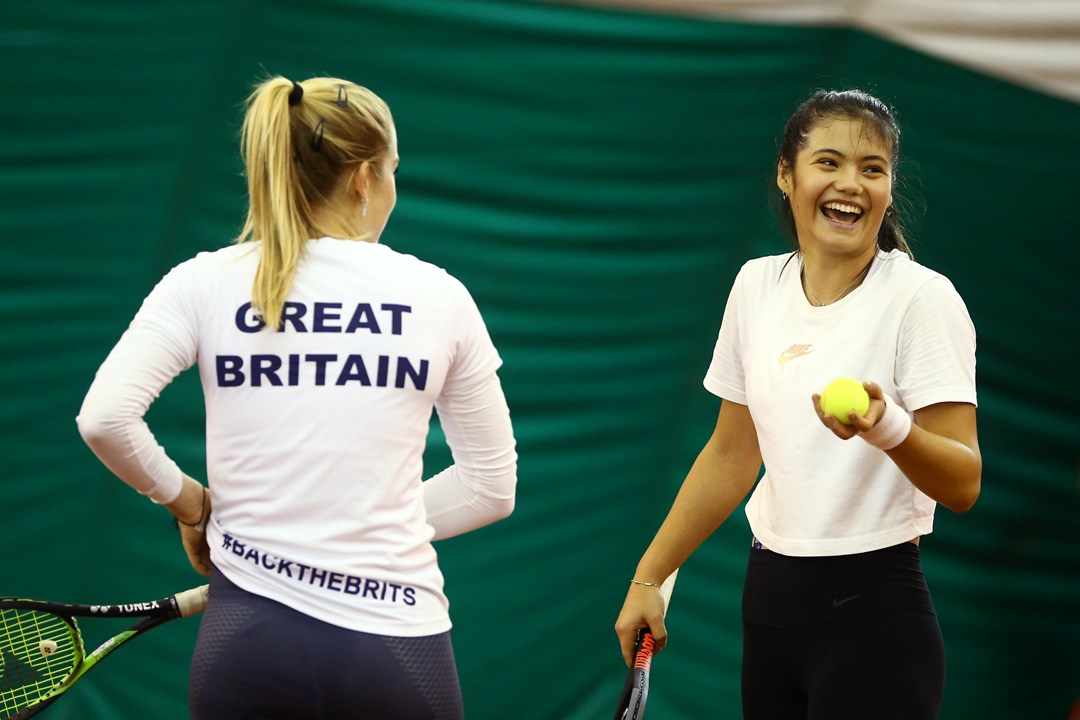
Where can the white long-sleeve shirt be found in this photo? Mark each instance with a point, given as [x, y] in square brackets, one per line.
[315, 434]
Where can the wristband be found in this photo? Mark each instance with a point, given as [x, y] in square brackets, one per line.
[891, 429]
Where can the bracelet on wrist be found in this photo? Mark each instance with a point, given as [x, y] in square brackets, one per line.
[200, 524]
[646, 584]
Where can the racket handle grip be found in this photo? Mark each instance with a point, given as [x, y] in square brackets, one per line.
[646, 646]
[193, 601]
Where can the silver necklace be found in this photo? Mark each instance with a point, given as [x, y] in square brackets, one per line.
[813, 297]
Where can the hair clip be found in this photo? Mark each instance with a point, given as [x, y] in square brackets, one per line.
[342, 97]
[317, 135]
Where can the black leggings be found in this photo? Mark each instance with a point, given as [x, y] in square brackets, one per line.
[257, 659]
[849, 637]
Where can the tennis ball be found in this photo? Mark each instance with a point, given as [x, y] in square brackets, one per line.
[843, 396]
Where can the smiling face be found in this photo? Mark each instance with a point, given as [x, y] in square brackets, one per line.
[839, 187]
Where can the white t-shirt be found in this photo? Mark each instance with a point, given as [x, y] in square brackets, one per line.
[315, 434]
[906, 328]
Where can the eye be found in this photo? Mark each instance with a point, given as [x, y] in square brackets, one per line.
[828, 162]
[875, 170]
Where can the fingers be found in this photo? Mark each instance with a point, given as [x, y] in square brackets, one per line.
[201, 562]
[627, 639]
[644, 607]
[626, 627]
[197, 549]
[659, 633]
[839, 429]
[876, 409]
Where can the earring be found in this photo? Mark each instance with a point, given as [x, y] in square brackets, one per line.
[784, 194]
[363, 208]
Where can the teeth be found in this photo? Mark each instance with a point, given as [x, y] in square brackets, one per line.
[844, 208]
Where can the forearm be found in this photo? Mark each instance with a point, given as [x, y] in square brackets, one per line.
[712, 490]
[111, 418]
[722, 475]
[453, 508]
[192, 505]
[938, 453]
[943, 468]
[479, 488]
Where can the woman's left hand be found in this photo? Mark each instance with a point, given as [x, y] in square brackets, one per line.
[859, 423]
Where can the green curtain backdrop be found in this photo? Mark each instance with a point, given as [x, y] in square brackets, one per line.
[596, 178]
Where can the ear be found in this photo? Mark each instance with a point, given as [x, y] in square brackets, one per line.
[783, 177]
[360, 182]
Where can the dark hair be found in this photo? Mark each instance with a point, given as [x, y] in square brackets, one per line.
[847, 105]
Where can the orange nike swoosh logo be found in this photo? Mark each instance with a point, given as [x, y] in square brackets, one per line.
[795, 351]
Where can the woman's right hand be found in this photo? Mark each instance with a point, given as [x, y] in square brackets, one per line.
[192, 508]
[197, 549]
[644, 607]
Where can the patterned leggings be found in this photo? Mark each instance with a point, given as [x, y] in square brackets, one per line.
[257, 659]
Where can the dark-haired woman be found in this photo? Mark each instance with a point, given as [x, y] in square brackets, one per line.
[838, 621]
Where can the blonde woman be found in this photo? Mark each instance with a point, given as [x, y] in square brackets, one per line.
[322, 354]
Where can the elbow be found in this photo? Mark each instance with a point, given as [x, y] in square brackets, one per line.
[968, 494]
[502, 505]
[502, 508]
[963, 504]
[965, 501]
[94, 427]
[103, 428]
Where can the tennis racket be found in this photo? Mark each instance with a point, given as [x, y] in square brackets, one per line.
[636, 689]
[42, 650]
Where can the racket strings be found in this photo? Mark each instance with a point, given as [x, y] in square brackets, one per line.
[39, 651]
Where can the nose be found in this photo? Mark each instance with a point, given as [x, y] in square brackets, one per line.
[848, 180]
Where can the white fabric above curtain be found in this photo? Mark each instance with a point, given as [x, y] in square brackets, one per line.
[1030, 42]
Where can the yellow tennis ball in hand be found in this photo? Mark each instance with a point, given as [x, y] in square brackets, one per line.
[843, 396]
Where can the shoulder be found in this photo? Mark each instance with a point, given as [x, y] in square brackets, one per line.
[904, 274]
[410, 263]
[770, 264]
[763, 273]
[385, 266]
[209, 261]
[923, 297]
[425, 274]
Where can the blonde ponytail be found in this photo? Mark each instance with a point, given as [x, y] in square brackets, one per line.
[297, 141]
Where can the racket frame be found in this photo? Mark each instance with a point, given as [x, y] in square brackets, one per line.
[636, 689]
[150, 614]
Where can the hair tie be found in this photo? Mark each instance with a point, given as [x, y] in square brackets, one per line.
[296, 95]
